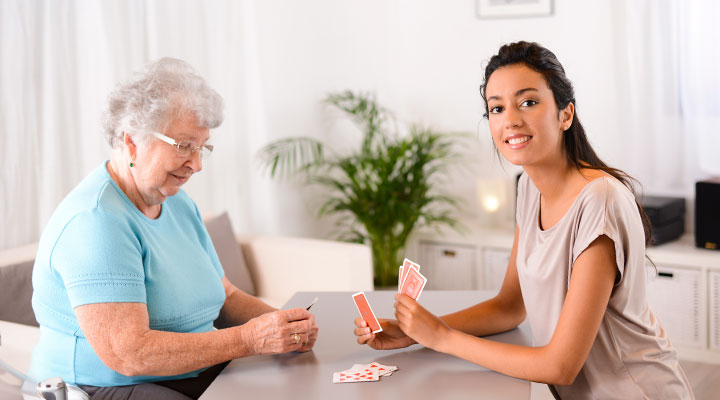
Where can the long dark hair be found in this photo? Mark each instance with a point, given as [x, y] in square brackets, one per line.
[577, 147]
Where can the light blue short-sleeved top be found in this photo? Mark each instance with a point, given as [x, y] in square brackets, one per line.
[99, 248]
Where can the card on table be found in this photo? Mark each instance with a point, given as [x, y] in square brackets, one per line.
[366, 312]
[353, 375]
[364, 373]
[382, 370]
[413, 284]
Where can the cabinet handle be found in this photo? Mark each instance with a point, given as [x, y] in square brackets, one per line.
[666, 274]
[449, 253]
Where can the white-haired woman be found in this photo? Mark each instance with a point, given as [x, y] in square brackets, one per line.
[127, 282]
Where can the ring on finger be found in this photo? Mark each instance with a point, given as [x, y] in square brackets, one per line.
[296, 337]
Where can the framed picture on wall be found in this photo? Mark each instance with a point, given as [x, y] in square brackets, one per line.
[513, 8]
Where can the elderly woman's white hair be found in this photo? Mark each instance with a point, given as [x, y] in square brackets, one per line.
[153, 97]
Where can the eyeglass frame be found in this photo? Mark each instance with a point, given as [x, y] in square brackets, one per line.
[193, 148]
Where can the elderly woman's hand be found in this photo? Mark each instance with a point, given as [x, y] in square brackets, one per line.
[281, 331]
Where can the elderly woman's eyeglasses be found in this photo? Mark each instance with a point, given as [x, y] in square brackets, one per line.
[185, 148]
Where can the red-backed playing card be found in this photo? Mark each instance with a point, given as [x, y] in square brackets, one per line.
[413, 284]
[351, 375]
[366, 312]
[408, 264]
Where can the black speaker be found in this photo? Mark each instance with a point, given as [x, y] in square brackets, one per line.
[707, 214]
[667, 217]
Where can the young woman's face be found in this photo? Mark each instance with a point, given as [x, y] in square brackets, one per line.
[525, 123]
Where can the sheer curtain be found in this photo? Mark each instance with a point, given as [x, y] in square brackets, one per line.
[58, 61]
[672, 81]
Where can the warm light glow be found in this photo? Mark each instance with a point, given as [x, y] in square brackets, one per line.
[491, 203]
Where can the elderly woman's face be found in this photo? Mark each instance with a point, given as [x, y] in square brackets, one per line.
[160, 170]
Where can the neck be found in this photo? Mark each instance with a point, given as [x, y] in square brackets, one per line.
[120, 173]
[553, 180]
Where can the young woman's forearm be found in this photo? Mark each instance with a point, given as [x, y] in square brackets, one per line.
[487, 318]
[538, 364]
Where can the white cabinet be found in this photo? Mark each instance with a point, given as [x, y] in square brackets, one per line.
[714, 310]
[448, 266]
[676, 296]
[453, 266]
[495, 262]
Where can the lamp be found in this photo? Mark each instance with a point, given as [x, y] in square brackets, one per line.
[492, 196]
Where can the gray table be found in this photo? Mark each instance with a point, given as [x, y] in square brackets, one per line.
[422, 374]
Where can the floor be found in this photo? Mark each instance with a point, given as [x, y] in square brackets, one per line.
[704, 380]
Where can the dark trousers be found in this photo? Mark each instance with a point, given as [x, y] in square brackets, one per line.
[180, 389]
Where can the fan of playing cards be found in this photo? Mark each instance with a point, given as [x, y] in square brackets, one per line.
[410, 282]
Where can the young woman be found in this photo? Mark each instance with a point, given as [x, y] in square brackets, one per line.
[577, 268]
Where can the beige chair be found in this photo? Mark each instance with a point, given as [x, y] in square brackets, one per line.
[281, 266]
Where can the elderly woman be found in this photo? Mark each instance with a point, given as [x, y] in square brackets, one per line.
[127, 282]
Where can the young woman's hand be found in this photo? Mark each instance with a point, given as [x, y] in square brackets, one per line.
[418, 323]
[390, 338]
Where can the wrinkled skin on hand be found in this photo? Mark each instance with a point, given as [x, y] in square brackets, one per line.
[274, 332]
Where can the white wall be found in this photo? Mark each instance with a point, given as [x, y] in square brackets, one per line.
[273, 61]
[424, 59]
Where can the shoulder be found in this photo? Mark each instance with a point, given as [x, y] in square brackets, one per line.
[606, 192]
[95, 209]
[95, 197]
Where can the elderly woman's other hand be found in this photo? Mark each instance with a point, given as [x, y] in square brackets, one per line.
[281, 332]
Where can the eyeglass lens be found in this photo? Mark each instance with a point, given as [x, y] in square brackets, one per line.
[186, 148]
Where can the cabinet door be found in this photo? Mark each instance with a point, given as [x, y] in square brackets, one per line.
[715, 310]
[495, 262]
[676, 296]
[448, 266]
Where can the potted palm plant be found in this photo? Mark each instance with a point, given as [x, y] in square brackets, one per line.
[383, 191]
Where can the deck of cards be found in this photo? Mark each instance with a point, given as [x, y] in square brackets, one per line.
[364, 373]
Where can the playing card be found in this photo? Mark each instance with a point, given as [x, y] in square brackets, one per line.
[413, 284]
[400, 277]
[382, 370]
[366, 312]
[351, 375]
[408, 264]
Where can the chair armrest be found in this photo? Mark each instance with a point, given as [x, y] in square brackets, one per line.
[17, 343]
[16, 267]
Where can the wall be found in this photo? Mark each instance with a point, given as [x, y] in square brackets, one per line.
[273, 61]
[424, 60]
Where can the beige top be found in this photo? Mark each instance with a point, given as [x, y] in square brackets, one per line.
[632, 357]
